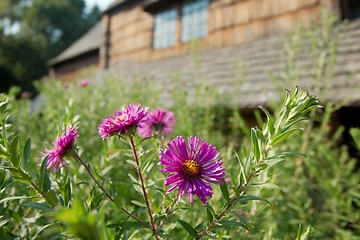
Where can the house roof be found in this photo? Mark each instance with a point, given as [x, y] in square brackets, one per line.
[243, 74]
[115, 4]
[118, 3]
[88, 42]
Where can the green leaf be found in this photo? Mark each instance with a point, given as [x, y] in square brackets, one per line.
[51, 198]
[14, 152]
[260, 167]
[3, 153]
[137, 203]
[58, 236]
[283, 135]
[255, 143]
[274, 161]
[242, 170]
[41, 206]
[2, 177]
[252, 198]
[83, 224]
[228, 223]
[67, 192]
[283, 154]
[268, 116]
[45, 183]
[224, 190]
[4, 200]
[209, 212]
[2, 234]
[26, 154]
[305, 235]
[265, 185]
[19, 175]
[167, 196]
[242, 218]
[188, 228]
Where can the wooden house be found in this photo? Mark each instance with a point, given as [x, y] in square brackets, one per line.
[155, 38]
[82, 55]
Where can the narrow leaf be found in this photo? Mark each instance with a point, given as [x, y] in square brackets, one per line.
[255, 143]
[51, 198]
[265, 185]
[19, 175]
[45, 183]
[137, 203]
[26, 154]
[252, 198]
[67, 192]
[14, 198]
[209, 212]
[14, 152]
[224, 190]
[284, 135]
[284, 154]
[305, 235]
[242, 218]
[227, 224]
[242, 170]
[41, 206]
[188, 228]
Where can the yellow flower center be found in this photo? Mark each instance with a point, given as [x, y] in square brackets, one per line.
[191, 168]
[120, 119]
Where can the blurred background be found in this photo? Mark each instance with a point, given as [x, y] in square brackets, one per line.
[34, 31]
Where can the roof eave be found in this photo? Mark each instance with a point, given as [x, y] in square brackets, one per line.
[54, 61]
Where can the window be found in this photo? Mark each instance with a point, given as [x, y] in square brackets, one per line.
[194, 19]
[350, 9]
[165, 28]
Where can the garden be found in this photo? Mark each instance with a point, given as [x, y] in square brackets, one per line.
[114, 160]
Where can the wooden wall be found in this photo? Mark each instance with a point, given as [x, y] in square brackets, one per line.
[129, 32]
[68, 71]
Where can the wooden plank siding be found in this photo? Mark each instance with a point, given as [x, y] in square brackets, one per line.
[230, 22]
[77, 67]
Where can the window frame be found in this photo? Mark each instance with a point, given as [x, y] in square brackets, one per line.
[191, 21]
[186, 25]
[165, 28]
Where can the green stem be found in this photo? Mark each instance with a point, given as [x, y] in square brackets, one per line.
[37, 189]
[169, 211]
[77, 157]
[230, 204]
[132, 144]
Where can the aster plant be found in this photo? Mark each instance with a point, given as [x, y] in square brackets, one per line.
[159, 122]
[190, 167]
[64, 145]
[123, 122]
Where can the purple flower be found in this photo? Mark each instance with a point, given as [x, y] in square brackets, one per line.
[84, 82]
[62, 145]
[158, 121]
[192, 167]
[123, 122]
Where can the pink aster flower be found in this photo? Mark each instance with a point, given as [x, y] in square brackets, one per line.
[158, 121]
[62, 145]
[84, 82]
[123, 122]
[192, 167]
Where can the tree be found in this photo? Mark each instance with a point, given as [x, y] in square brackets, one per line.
[45, 29]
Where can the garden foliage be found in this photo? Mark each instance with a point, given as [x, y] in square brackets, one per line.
[285, 178]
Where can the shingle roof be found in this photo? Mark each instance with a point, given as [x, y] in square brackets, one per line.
[253, 86]
[118, 3]
[114, 4]
[88, 42]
